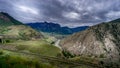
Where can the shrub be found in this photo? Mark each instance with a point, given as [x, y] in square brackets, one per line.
[67, 54]
[102, 56]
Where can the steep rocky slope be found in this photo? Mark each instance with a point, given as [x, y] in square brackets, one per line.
[101, 41]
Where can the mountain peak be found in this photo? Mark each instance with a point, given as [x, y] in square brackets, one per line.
[4, 16]
[7, 20]
[4, 13]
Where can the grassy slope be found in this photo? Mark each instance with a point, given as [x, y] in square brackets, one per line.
[15, 60]
[25, 34]
[20, 31]
[4, 23]
[11, 59]
[37, 46]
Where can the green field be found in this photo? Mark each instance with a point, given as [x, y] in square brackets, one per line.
[15, 60]
[36, 46]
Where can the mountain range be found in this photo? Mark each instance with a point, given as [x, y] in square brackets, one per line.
[86, 46]
[55, 28]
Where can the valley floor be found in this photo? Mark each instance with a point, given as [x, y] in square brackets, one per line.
[55, 62]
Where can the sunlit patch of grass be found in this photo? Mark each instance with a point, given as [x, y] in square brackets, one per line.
[84, 59]
[37, 46]
[15, 60]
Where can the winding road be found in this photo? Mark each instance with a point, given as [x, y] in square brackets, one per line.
[57, 43]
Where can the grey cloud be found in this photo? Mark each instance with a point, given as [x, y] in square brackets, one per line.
[65, 12]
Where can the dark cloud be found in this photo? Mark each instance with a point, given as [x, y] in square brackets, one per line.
[66, 12]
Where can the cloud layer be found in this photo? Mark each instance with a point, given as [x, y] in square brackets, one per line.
[65, 12]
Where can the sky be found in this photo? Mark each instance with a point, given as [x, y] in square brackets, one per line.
[70, 13]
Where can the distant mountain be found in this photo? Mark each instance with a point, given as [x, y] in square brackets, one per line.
[99, 41]
[55, 28]
[11, 28]
[7, 20]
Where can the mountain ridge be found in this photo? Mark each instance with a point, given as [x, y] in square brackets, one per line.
[7, 20]
[55, 28]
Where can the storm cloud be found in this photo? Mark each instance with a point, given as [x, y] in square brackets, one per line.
[70, 13]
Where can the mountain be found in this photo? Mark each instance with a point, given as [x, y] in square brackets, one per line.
[99, 41]
[10, 27]
[55, 28]
[7, 20]
[19, 44]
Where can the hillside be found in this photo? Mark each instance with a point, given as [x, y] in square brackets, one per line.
[11, 28]
[55, 28]
[7, 20]
[20, 32]
[100, 41]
